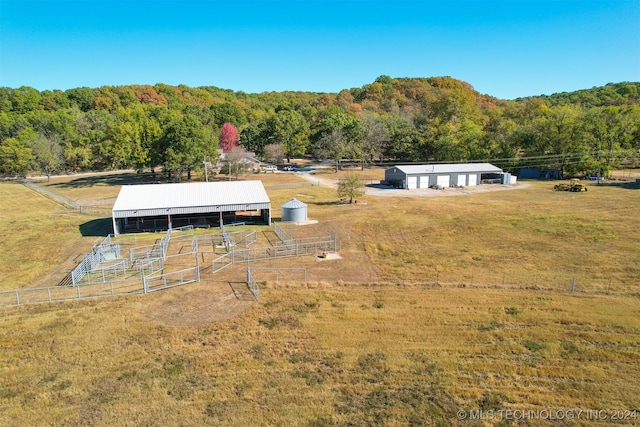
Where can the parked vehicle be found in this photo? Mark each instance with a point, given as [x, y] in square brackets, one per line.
[573, 185]
[269, 168]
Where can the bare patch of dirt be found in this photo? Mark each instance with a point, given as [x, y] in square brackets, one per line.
[198, 304]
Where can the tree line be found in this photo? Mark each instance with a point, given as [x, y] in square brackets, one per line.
[438, 119]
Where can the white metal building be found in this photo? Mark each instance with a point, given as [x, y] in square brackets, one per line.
[442, 175]
[152, 207]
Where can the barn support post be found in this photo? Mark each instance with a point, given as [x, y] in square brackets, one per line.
[115, 227]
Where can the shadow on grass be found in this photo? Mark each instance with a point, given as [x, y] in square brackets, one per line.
[111, 179]
[97, 227]
[331, 203]
[623, 185]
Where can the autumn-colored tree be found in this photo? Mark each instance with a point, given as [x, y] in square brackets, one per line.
[228, 137]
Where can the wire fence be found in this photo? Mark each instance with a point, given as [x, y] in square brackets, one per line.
[67, 293]
[520, 280]
[68, 203]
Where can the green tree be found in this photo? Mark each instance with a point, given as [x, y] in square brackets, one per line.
[227, 112]
[15, 157]
[25, 99]
[350, 186]
[290, 129]
[82, 97]
[335, 118]
[403, 138]
[186, 141]
[47, 154]
[256, 137]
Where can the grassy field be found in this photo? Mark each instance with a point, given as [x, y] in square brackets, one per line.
[438, 305]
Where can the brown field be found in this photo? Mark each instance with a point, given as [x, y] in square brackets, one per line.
[521, 300]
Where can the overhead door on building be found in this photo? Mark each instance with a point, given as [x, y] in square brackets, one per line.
[462, 180]
[443, 180]
[423, 181]
[412, 182]
[473, 179]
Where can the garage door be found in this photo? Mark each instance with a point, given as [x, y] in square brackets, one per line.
[473, 179]
[462, 180]
[443, 180]
[412, 182]
[423, 182]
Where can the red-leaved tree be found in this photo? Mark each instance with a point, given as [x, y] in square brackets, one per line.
[228, 137]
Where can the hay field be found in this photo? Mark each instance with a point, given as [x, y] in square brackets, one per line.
[438, 305]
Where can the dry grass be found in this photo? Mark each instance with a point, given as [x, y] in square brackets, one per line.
[427, 313]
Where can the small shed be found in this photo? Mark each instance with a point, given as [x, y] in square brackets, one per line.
[294, 211]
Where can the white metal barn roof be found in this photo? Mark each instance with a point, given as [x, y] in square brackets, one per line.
[448, 168]
[200, 197]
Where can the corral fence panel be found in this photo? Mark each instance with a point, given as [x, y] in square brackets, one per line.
[253, 285]
[103, 250]
[221, 262]
[65, 293]
[169, 280]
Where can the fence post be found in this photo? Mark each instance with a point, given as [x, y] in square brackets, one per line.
[49, 293]
[17, 298]
[573, 285]
[78, 291]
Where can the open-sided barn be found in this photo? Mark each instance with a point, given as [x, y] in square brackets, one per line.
[442, 175]
[153, 207]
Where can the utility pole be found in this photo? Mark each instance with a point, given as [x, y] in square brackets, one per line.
[206, 175]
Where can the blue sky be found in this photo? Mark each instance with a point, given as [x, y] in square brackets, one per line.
[506, 49]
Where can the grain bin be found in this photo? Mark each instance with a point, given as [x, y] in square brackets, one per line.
[294, 211]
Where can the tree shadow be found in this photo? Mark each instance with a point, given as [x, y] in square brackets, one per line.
[115, 179]
[96, 227]
[624, 185]
[331, 203]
